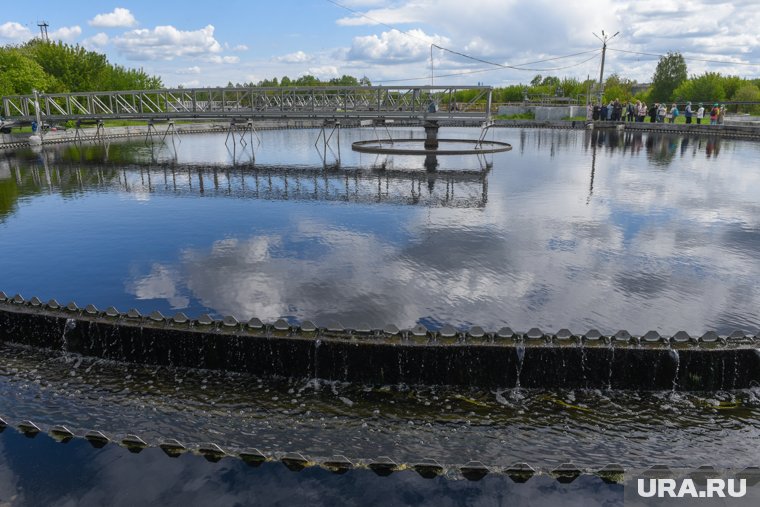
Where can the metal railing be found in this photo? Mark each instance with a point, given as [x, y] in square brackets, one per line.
[429, 102]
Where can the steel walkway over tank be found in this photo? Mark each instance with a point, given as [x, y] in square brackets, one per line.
[418, 103]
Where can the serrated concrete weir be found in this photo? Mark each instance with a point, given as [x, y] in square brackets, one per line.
[474, 357]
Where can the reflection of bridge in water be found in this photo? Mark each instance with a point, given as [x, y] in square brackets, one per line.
[452, 188]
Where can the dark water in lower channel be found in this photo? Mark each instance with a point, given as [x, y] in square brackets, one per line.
[407, 423]
[39, 471]
[569, 229]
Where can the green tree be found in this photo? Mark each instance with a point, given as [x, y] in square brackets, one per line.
[344, 80]
[307, 80]
[732, 84]
[513, 93]
[705, 88]
[748, 93]
[571, 87]
[20, 74]
[669, 74]
[551, 81]
[619, 88]
[76, 69]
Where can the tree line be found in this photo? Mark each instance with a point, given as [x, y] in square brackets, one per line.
[670, 83]
[306, 80]
[56, 67]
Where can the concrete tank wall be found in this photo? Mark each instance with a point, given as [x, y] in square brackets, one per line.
[549, 113]
[544, 113]
[487, 360]
[512, 110]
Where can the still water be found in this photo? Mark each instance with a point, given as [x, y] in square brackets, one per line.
[41, 472]
[569, 229]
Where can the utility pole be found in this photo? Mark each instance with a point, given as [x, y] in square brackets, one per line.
[604, 38]
[43, 30]
[431, 65]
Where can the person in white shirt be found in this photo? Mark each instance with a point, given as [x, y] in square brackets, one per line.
[700, 113]
[642, 112]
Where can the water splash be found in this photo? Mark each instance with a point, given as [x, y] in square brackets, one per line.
[583, 363]
[520, 351]
[677, 359]
[500, 399]
[70, 325]
[317, 343]
[612, 360]
[516, 393]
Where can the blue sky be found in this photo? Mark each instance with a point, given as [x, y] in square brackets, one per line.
[211, 43]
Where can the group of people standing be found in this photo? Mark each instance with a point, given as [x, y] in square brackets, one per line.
[657, 112]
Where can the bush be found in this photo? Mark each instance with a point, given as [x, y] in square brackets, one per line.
[747, 93]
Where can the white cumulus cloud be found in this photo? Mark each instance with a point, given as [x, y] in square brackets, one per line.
[120, 17]
[13, 31]
[513, 32]
[222, 59]
[238, 47]
[167, 43]
[66, 33]
[297, 57]
[324, 71]
[394, 46]
[190, 70]
[97, 41]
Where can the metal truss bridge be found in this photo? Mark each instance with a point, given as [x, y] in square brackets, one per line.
[419, 103]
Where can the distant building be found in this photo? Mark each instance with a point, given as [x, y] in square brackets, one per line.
[640, 87]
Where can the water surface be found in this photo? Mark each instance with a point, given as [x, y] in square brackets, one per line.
[569, 229]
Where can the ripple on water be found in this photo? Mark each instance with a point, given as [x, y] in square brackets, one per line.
[450, 425]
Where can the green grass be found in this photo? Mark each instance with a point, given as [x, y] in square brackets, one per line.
[134, 123]
[108, 123]
[521, 116]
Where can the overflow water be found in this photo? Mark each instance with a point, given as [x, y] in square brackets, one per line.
[321, 418]
[570, 229]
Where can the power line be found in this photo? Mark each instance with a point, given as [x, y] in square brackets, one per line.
[695, 59]
[604, 39]
[520, 66]
[480, 60]
[476, 71]
[405, 32]
[43, 30]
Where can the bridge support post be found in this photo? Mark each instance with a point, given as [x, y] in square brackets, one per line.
[431, 135]
[150, 133]
[431, 163]
[171, 129]
[100, 132]
[334, 126]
